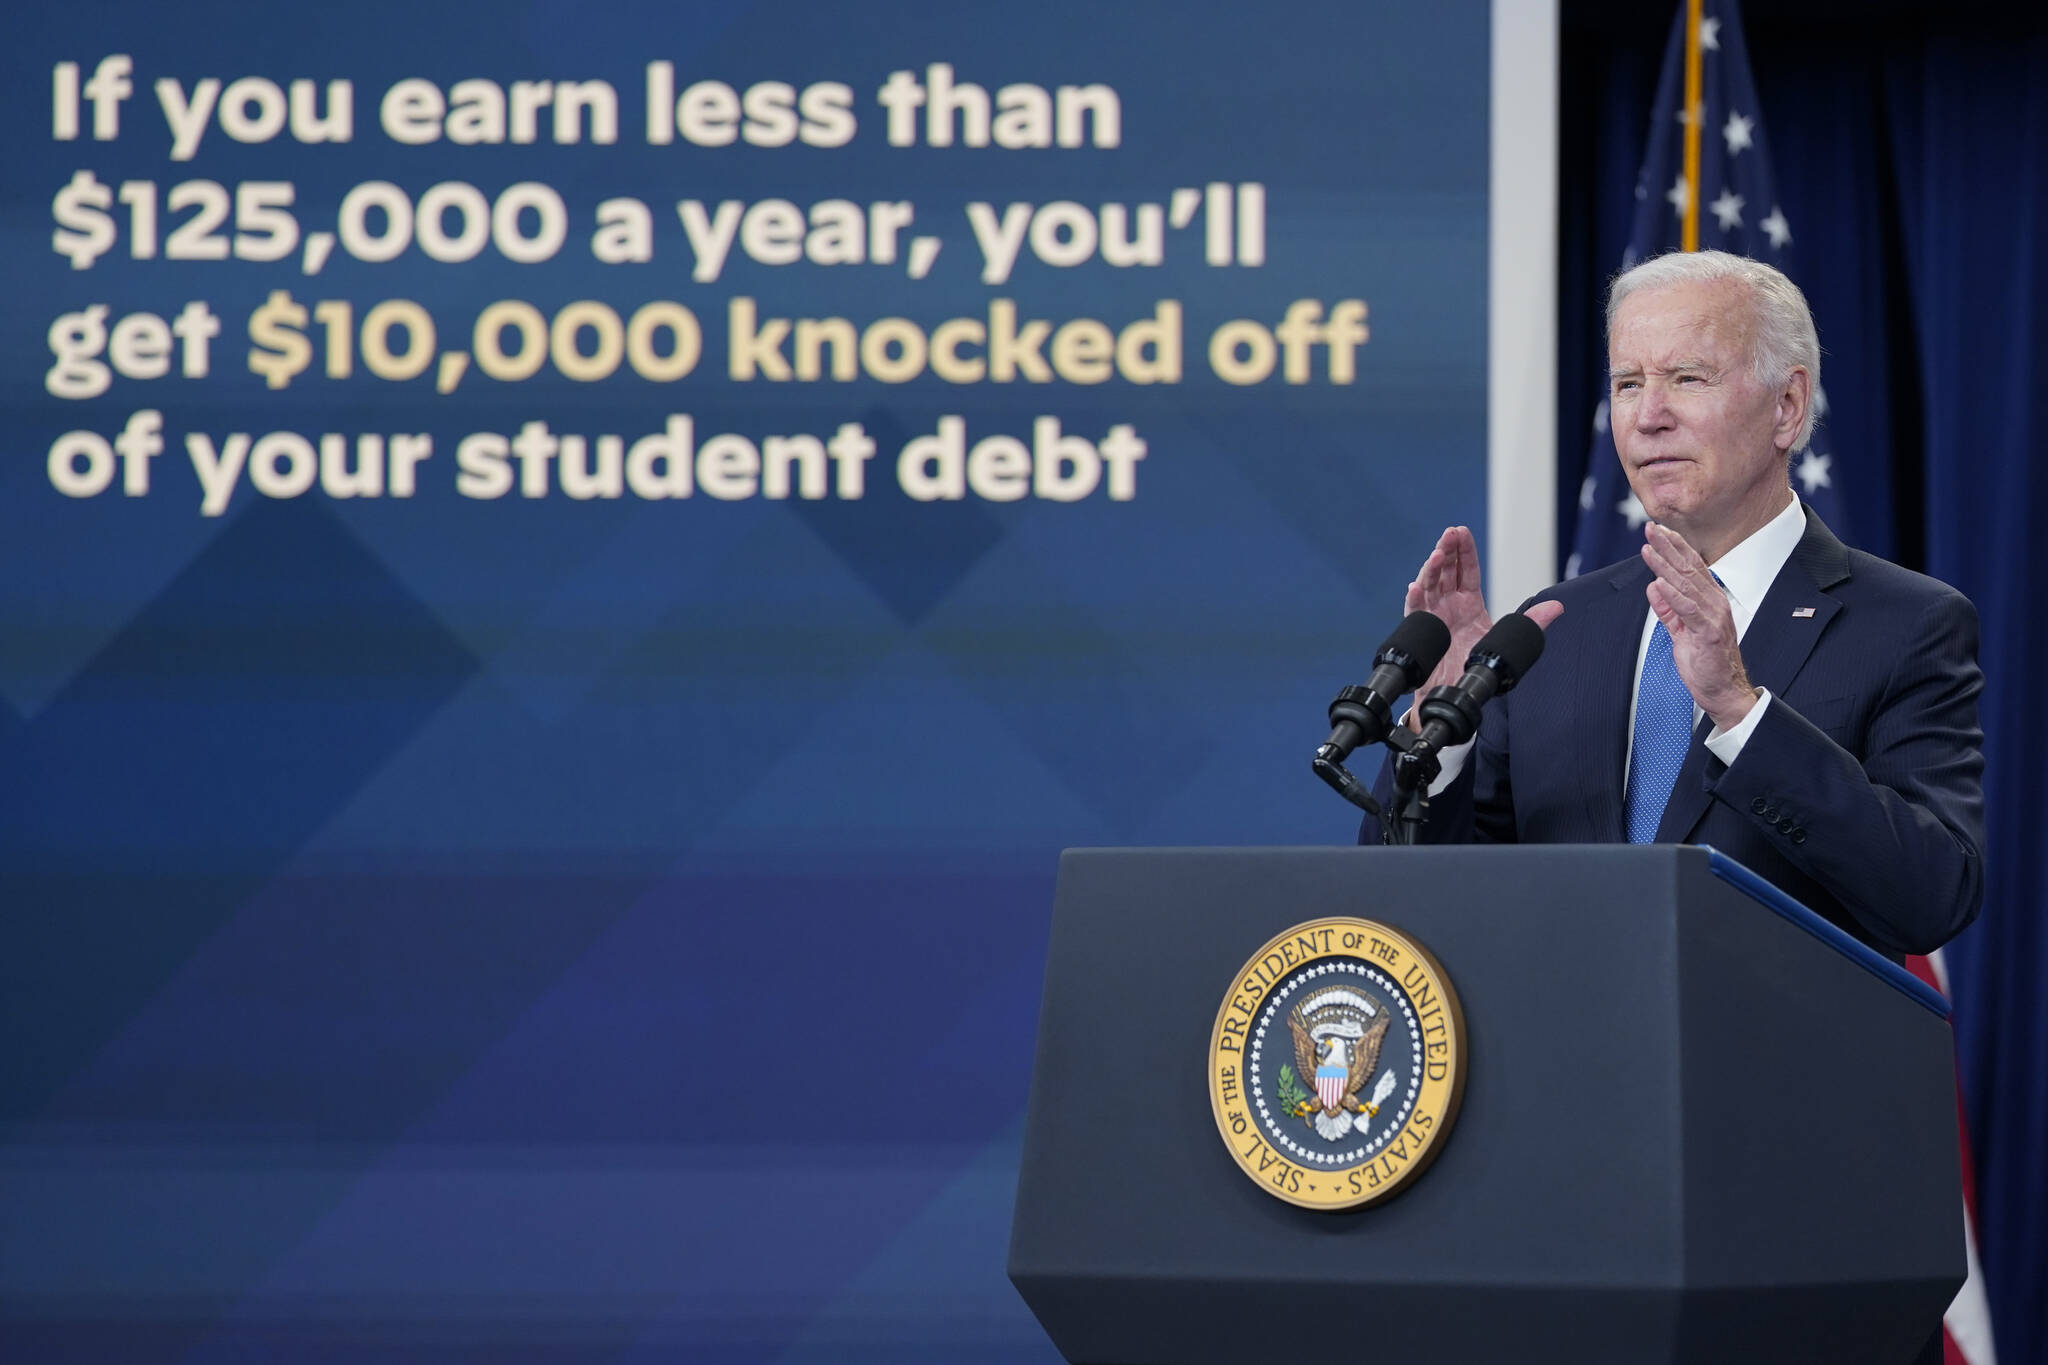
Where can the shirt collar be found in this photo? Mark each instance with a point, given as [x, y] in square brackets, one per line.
[1748, 570]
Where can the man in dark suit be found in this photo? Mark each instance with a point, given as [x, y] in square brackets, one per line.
[1749, 682]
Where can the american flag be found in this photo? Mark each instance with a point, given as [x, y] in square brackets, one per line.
[1728, 199]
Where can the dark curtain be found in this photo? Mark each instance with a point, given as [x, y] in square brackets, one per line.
[1911, 147]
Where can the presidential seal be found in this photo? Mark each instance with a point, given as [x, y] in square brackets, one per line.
[1337, 1063]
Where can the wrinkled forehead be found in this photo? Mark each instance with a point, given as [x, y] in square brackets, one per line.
[1696, 322]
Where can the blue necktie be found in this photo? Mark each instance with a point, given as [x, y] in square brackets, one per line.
[1662, 735]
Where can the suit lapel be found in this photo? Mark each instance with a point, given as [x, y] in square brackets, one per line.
[1774, 649]
[1606, 679]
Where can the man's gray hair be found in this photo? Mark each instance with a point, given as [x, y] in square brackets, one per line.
[1783, 335]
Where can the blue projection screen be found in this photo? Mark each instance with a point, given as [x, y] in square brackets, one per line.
[566, 571]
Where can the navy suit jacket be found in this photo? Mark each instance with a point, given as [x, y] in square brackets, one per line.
[1860, 792]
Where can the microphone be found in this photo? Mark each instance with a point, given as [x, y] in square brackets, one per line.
[1364, 715]
[1450, 715]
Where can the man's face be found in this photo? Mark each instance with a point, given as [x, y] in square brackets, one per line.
[1702, 442]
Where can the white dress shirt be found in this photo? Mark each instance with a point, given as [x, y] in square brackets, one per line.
[1746, 573]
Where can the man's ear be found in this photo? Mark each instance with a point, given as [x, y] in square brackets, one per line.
[1793, 400]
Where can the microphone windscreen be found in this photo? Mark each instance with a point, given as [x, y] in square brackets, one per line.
[1514, 643]
[1424, 637]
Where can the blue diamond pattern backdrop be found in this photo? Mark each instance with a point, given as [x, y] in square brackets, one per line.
[438, 928]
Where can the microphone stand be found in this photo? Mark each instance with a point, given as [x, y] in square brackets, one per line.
[1344, 784]
[1416, 766]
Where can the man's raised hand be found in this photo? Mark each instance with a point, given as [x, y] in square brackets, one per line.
[1695, 611]
[1448, 584]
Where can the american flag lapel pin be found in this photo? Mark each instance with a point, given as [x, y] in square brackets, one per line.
[1802, 611]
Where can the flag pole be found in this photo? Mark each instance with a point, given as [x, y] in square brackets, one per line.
[1689, 235]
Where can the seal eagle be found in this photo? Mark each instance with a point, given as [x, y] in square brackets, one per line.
[1337, 1038]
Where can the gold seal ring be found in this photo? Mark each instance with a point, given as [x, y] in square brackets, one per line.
[1337, 1063]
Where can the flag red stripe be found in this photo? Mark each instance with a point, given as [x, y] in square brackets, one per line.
[1970, 1306]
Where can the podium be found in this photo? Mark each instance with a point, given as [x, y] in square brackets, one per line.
[1699, 1123]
